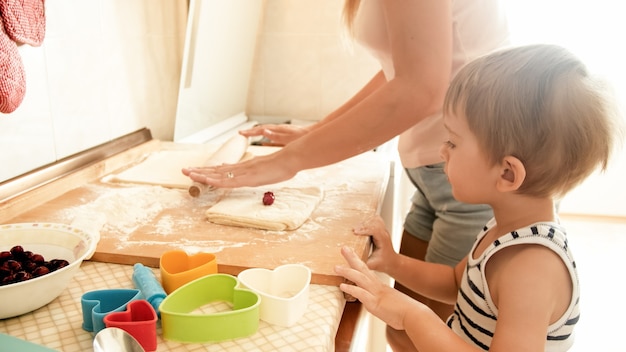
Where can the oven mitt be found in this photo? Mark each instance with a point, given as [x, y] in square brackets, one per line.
[12, 79]
[24, 20]
[21, 22]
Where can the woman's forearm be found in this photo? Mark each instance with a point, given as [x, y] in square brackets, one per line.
[384, 114]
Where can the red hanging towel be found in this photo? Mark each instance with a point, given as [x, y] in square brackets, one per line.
[12, 80]
[21, 22]
[24, 20]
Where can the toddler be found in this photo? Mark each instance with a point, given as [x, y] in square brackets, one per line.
[525, 126]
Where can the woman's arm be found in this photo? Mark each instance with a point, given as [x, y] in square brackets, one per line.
[283, 134]
[420, 33]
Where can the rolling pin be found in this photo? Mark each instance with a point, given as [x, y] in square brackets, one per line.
[150, 287]
[229, 153]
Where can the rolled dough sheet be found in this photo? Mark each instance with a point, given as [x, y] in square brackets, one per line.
[163, 167]
[243, 207]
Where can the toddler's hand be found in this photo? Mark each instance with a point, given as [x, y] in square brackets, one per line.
[387, 303]
[383, 254]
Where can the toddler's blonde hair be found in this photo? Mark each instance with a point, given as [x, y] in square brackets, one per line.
[539, 104]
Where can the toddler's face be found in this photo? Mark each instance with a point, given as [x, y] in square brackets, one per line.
[467, 167]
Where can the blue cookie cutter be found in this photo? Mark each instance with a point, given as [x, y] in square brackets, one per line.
[97, 304]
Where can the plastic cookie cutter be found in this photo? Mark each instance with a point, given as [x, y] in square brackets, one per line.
[178, 268]
[97, 304]
[139, 320]
[284, 292]
[192, 313]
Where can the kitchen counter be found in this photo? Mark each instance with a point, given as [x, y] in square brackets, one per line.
[355, 189]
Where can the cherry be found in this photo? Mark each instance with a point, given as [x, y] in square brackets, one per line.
[17, 265]
[37, 258]
[29, 265]
[40, 270]
[5, 255]
[17, 251]
[56, 264]
[268, 198]
[5, 271]
[13, 265]
[22, 276]
[7, 280]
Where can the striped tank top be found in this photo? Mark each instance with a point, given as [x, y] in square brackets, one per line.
[475, 315]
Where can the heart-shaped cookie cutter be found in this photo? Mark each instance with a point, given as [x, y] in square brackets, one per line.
[97, 304]
[284, 292]
[181, 320]
[178, 268]
[139, 320]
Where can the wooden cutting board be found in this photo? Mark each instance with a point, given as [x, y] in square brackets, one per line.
[138, 223]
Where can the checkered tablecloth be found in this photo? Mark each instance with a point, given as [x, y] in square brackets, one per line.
[58, 324]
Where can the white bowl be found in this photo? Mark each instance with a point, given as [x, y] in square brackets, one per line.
[52, 241]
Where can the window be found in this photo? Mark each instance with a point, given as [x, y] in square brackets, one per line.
[593, 30]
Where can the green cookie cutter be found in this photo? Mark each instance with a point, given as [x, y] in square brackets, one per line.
[180, 323]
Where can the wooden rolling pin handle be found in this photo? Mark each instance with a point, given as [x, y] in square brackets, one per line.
[198, 188]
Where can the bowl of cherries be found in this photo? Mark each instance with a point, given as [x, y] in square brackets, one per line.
[37, 262]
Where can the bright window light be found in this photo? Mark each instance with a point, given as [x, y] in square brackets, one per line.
[594, 30]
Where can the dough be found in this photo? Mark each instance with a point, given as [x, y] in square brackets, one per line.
[163, 167]
[244, 207]
[230, 152]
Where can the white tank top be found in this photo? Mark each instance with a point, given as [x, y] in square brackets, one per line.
[479, 27]
[475, 314]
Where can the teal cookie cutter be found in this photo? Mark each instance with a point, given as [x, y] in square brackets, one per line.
[97, 304]
[183, 321]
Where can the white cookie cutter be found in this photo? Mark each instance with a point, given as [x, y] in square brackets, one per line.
[284, 292]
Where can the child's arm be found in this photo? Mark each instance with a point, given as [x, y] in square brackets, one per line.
[425, 328]
[435, 281]
[380, 299]
[530, 287]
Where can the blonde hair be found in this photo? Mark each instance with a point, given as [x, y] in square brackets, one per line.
[350, 8]
[539, 104]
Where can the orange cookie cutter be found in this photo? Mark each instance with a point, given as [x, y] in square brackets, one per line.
[178, 268]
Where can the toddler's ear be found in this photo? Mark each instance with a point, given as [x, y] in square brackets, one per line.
[512, 174]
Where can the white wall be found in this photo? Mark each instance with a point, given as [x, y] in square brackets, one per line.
[303, 67]
[106, 68]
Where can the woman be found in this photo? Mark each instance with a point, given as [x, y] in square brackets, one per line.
[421, 45]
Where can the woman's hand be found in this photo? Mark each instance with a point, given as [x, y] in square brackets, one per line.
[277, 134]
[383, 256]
[261, 170]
